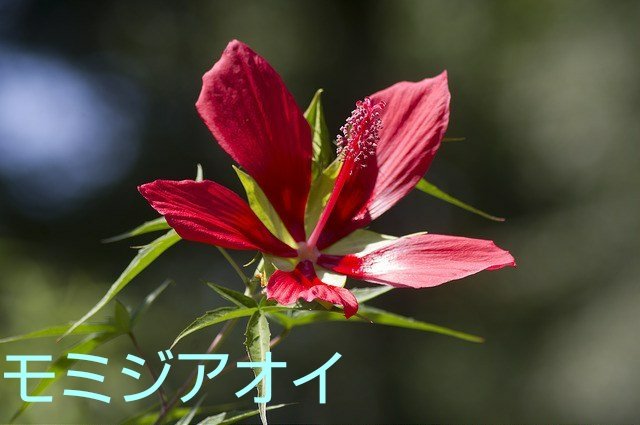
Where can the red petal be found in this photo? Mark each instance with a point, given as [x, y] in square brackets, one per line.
[288, 287]
[210, 213]
[421, 261]
[414, 122]
[255, 119]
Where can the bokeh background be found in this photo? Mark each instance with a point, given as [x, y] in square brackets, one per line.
[97, 98]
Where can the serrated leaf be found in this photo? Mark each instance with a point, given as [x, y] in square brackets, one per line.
[221, 418]
[262, 207]
[430, 189]
[321, 188]
[368, 315]
[322, 150]
[146, 255]
[360, 241]
[366, 294]
[122, 317]
[61, 364]
[214, 317]
[237, 298]
[149, 226]
[84, 329]
[148, 301]
[258, 338]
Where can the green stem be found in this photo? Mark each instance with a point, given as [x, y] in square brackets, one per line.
[235, 266]
[161, 394]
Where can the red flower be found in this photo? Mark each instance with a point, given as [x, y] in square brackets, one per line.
[387, 145]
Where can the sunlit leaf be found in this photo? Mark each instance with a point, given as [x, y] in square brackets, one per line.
[258, 337]
[84, 329]
[432, 190]
[148, 301]
[225, 419]
[150, 226]
[186, 419]
[262, 207]
[238, 298]
[214, 317]
[146, 255]
[323, 152]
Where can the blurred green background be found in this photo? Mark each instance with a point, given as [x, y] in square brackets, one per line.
[97, 98]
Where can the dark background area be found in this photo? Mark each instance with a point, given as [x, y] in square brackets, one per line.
[98, 97]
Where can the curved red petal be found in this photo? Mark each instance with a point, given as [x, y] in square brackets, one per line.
[413, 124]
[421, 261]
[210, 213]
[255, 119]
[287, 287]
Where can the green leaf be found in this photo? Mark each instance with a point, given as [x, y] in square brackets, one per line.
[366, 294]
[186, 419]
[432, 190]
[61, 364]
[146, 255]
[454, 139]
[122, 317]
[238, 298]
[221, 418]
[368, 315]
[84, 329]
[322, 150]
[214, 317]
[359, 242]
[321, 188]
[262, 207]
[150, 226]
[148, 301]
[258, 337]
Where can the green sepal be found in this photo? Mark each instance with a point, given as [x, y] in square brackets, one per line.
[262, 207]
[323, 152]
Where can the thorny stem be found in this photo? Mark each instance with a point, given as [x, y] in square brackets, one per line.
[217, 341]
[154, 376]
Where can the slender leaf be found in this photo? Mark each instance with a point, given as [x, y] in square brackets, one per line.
[61, 364]
[148, 301]
[432, 190]
[186, 419]
[367, 315]
[122, 317]
[258, 337]
[238, 298]
[213, 317]
[150, 226]
[84, 329]
[222, 419]
[146, 255]
[322, 150]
